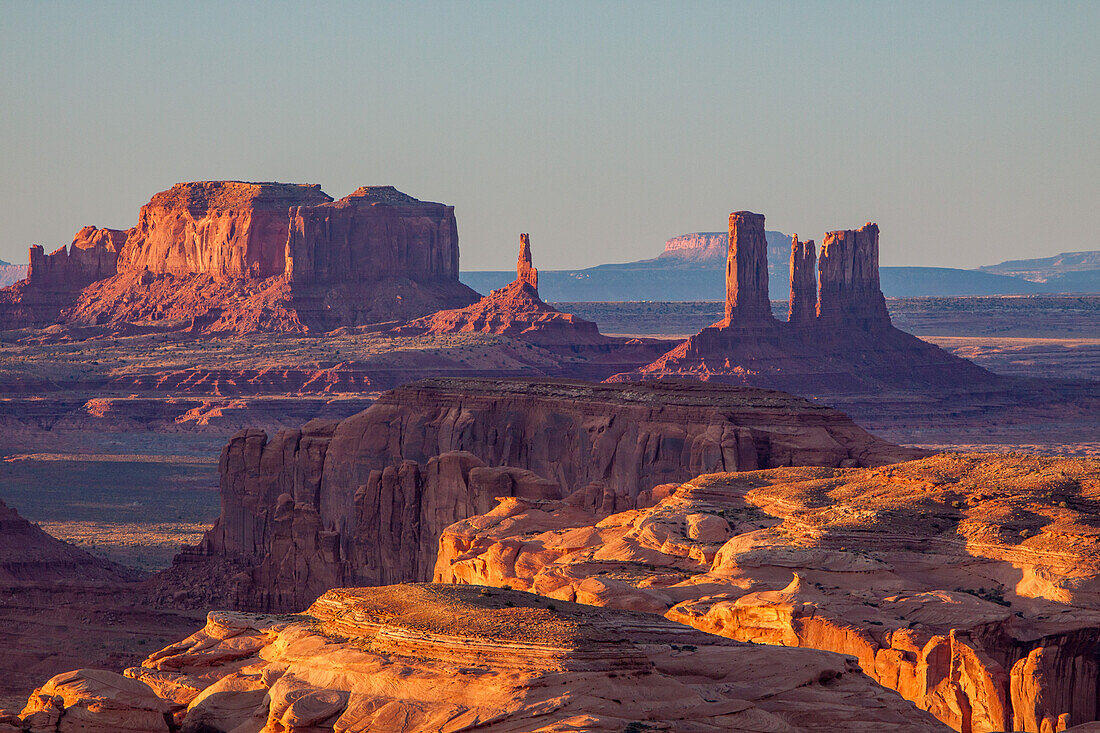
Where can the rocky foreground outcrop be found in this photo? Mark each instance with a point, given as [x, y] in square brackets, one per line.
[412, 658]
[238, 256]
[969, 583]
[363, 501]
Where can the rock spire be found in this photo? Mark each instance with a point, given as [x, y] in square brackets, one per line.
[849, 293]
[803, 301]
[747, 271]
[525, 271]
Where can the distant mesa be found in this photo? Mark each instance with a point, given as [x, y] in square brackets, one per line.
[239, 256]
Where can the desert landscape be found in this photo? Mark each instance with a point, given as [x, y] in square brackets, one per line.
[277, 459]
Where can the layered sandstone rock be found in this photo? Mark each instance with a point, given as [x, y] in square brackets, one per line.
[849, 294]
[29, 554]
[363, 501]
[369, 235]
[225, 229]
[747, 301]
[54, 280]
[218, 256]
[412, 658]
[802, 305]
[515, 310]
[969, 583]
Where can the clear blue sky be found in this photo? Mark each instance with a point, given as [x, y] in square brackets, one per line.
[969, 131]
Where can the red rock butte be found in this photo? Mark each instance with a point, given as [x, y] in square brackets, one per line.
[251, 256]
[838, 337]
[515, 310]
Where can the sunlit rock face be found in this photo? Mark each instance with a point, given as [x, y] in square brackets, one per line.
[969, 583]
[412, 658]
[226, 229]
[234, 256]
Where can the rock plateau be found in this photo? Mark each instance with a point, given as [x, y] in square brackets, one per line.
[969, 583]
[405, 659]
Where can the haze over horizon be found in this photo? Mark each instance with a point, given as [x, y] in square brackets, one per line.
[603, 130]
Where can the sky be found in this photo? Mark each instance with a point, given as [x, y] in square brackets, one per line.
[970, 132]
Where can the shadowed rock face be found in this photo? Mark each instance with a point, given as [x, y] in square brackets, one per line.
[969, 583]
[363, 502]
[411, 658]
[802, 306]
[29, 554]
[848, 290]
[375, 232]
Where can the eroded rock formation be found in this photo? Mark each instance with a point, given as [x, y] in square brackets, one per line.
[969, 583]
[363, 502]
[225, 229]
[802, 306]
[238, 256]
[412, 658]
[747, 301]
[848, 289]
[515, 310]
[844, 344]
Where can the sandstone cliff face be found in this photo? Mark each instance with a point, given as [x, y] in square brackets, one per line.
[525, 271]
[968, 583]
[802, 307]
[406, 659]
[373, 233]
[364, 501]
[848, 289]
[91, 256]
[225, 229]
[747, 271]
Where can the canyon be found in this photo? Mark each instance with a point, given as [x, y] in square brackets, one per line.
[966, 582]
[363, 501]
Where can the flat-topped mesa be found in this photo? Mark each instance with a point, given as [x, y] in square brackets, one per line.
[373, 233]
[226, 229]
[525, 271]
[849, 293]
[802, 309]
[747, 301]
[92, 256]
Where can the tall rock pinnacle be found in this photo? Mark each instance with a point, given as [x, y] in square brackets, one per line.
[525, 271]
[747, 270]
[848, 281]
[803, 302]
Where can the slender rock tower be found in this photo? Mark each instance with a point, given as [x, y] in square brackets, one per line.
[747, 271]
[803, 302]
[525, 271]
